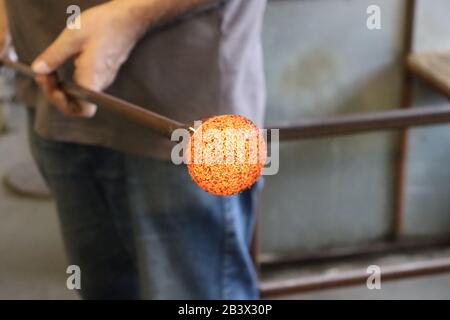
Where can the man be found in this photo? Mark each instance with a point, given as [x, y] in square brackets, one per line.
[135, 223]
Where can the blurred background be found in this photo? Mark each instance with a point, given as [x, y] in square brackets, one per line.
[321, 60]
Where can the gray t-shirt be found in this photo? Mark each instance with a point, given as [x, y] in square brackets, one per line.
[205, 63]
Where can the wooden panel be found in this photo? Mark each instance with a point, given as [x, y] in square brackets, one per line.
[433, 68]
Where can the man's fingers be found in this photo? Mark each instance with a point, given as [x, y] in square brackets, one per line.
[63, 48]
[5, 44]
[66, 105]
[56, 97]
[87, 109]
[87, 76]
[48, 85]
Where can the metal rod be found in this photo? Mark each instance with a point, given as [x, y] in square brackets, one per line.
[353, 277]
[270, 261]
[369, 122]
[403, 143]
[156, 122]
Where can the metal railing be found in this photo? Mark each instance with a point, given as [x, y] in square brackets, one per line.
[398, 119]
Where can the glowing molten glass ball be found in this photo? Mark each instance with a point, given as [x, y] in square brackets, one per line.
[226, 154]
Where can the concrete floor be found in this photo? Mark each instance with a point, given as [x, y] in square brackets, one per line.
[32, 261]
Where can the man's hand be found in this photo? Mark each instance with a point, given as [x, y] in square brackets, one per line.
[108, 34]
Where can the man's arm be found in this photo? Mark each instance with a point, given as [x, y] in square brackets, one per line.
[3, 16]
[108, 34]
[5, 39]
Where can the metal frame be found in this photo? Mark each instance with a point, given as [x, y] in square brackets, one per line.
[354, 277]
[406, 102]
[400, 119]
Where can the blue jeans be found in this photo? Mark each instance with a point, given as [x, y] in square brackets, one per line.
[139, 228]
